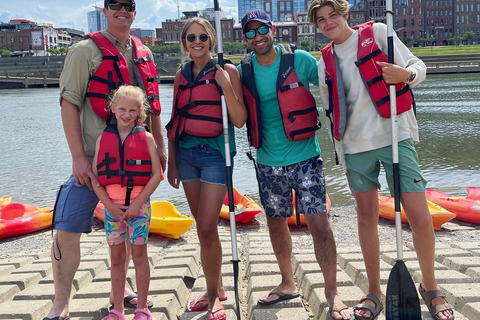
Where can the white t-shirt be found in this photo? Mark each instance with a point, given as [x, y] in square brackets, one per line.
[366, 130]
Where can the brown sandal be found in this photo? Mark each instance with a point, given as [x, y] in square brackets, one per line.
[375, 311]
[428, 297]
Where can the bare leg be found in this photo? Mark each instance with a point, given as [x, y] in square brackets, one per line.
[64, 270]
[205, 201]
[282, 247]
[118, 274]
[326, 254]
[416, 208]
[367, 214]
[142, 273]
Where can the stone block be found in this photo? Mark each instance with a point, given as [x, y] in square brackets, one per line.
[97, 308]
[441, 254]
[26, 310]
[462, 293]
[170, 286]
[414, 266]
[201, 315]
[252, 304]
[43, 268]
[263, 269]
[318, 302]
[81, 278]
[344, 258]
[391, 257]
[167, 273]
[445, 276]
[471, 311]
[4, 270]
[167, 304]
[362, 280]
[354, 268]
[96, 289]
[201, 284]
[16, 262]
[312, 281]
[474, 272]
[7, 292]
[178, 263]
[263, 283]
[279, 313]
[461, 263]
[22, 280]
[94, 267]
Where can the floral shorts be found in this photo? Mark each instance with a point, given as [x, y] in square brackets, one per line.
[137, 227]
[305, 177]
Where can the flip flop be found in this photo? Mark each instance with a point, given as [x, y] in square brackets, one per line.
[281, 297]
[192, 304]
[57, 318]
[128, 304]
[338, 308]
[220, 316]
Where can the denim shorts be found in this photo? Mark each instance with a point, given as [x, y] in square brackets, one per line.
[74, 207]
[305, 177]
[203, 163]
[363, 168]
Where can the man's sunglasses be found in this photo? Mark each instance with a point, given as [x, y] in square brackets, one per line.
[262, 30]
[129, 7]
[191, 37]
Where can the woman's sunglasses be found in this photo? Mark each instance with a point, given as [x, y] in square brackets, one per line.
[262, 30]
[191, 37]
[129, 7]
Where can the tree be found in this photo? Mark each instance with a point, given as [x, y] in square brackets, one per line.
[455, 40]
[407, 40]
[305, 44]
[468, 36]
[5, 53]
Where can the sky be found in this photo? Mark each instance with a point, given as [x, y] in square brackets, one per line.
[73, 14]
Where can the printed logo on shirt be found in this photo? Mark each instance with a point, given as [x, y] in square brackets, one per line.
[367, 42]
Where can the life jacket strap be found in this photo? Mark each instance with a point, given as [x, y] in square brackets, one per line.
[398, 93]
[375, 80]
[292, 114]
[114, 58]
[153, 97]
[291, 86]
[152, 79]
[142, 60]
[368, 57]
[136, 162]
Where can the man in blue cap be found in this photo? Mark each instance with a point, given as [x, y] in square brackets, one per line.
[282, 122]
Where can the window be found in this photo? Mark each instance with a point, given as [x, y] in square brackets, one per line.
[267, 6]
[420, 22]
[289, 6]
[420, 10]
[282, 6]
[413, 22]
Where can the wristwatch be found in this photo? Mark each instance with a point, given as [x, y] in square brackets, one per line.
[412, 76]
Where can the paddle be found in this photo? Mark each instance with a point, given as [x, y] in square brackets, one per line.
[402, 301]
[228, 162]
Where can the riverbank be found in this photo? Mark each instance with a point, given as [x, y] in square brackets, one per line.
[26, 286]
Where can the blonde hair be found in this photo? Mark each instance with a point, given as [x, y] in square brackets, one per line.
[340, 6]
[208, 29]
[134, 93]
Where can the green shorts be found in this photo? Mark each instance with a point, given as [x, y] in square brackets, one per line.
[363, 168]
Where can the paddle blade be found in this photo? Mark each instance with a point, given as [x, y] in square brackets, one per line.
[402, 301]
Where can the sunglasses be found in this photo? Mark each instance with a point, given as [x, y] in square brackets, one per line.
[262, 30]
[191, 37]
[129, 7]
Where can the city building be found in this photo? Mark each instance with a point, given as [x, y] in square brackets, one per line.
[245, 6]
[96, 20]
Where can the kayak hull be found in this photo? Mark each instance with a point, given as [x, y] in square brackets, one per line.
[245, 207]
[4, 201]
[466, 208]
[165, 221]
[19, 218]
[439, 215]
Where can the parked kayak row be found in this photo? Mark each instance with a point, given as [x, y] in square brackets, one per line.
[22, 218]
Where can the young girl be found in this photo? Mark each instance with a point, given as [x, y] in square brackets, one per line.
[128, 169]
[361, 126]
[196, 153]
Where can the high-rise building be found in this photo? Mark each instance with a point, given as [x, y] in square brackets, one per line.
[245, 6]
[96, 20]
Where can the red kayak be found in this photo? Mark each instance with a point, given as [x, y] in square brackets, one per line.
[246, 209]
[466, 208]
[22, 218]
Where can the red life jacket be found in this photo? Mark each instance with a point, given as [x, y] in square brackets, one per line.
[113, 72]
[371, 73]
[297, 104]
[197, 108]
[128, 163]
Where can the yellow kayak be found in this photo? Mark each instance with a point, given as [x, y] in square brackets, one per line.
[439, 214]
[4, 201]
[166, 220]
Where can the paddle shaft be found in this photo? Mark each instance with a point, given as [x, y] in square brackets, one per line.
[228, 162]
[394, 122]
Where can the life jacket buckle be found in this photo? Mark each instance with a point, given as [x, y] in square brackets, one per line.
[133, 162]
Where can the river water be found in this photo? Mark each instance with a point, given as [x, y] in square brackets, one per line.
[35, 159]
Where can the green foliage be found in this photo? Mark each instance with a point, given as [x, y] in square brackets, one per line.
[455, 40]
[407, 40]
[5, 53]
[167, 49]
[468, 36]
[305, 44]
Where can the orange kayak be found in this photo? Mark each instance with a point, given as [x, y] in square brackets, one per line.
[293, 219]
[466, 208]
[246, 209]
[166, 220]
[439, 214]
[22, 218]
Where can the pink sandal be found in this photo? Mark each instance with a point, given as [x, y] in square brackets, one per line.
[121, 316]
[145, 312]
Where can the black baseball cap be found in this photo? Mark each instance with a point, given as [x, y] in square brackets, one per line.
[257, 15]
[110, 1]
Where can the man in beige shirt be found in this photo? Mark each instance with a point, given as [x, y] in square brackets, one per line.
[76, 199]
